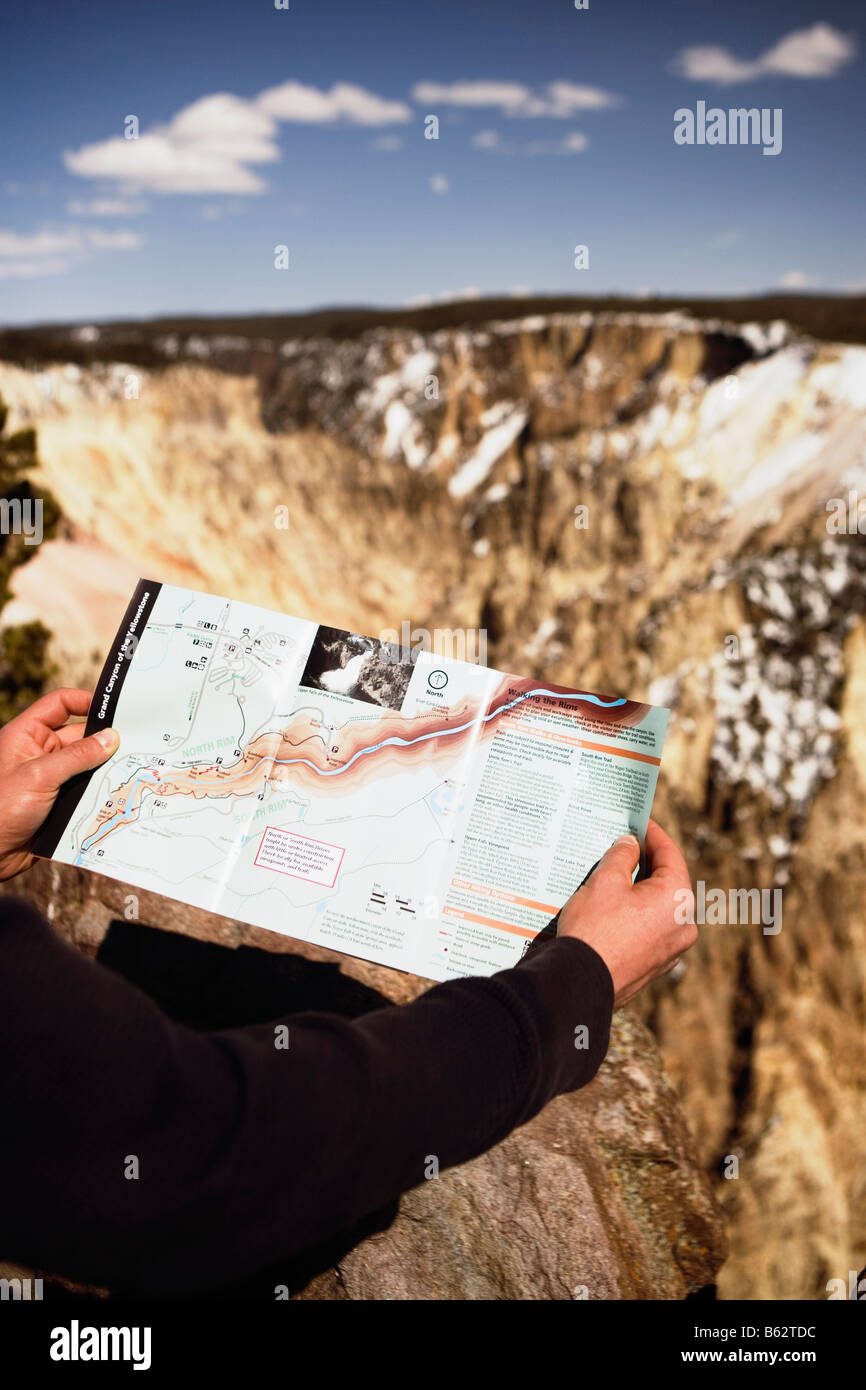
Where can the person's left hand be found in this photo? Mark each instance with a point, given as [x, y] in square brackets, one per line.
[39, 751]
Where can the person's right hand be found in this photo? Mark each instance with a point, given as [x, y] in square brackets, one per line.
[639, 929]
[39, 751]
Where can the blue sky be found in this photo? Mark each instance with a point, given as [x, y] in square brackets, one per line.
[304, 127]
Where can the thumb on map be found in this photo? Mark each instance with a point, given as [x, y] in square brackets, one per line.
[80, 756]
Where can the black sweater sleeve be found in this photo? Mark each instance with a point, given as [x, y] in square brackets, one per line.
[246, 1152]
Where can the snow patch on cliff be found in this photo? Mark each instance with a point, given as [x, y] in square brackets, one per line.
[505, 421]
[776, 721]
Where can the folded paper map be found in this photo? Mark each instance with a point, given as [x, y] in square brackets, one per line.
[399, 805]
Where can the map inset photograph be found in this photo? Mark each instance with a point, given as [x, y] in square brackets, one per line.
[346, 663]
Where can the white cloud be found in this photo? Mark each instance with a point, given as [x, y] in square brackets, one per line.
[115, 241]
[421, 301]
[205, 149]
[36, 253]
[39, 243]
[711, 63]
[817, 52]
[292, 101]
[575, 143]
[559, 99]
[228, 125]
[453, 296]
[215, 212]
[105, 207]
[567, 97]
[39, 190]
[55, 252]
[439, 183]
[520, 292]
[505, 95]
[26, 270]
[210, 146]
[796, 280]
[388, 143]
[489, 141]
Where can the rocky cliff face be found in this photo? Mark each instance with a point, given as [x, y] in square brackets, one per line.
[634, 503]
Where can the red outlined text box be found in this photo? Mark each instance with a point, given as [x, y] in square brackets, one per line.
[280, 851]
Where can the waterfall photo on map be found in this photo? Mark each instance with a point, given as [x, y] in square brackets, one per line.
[345, 663]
